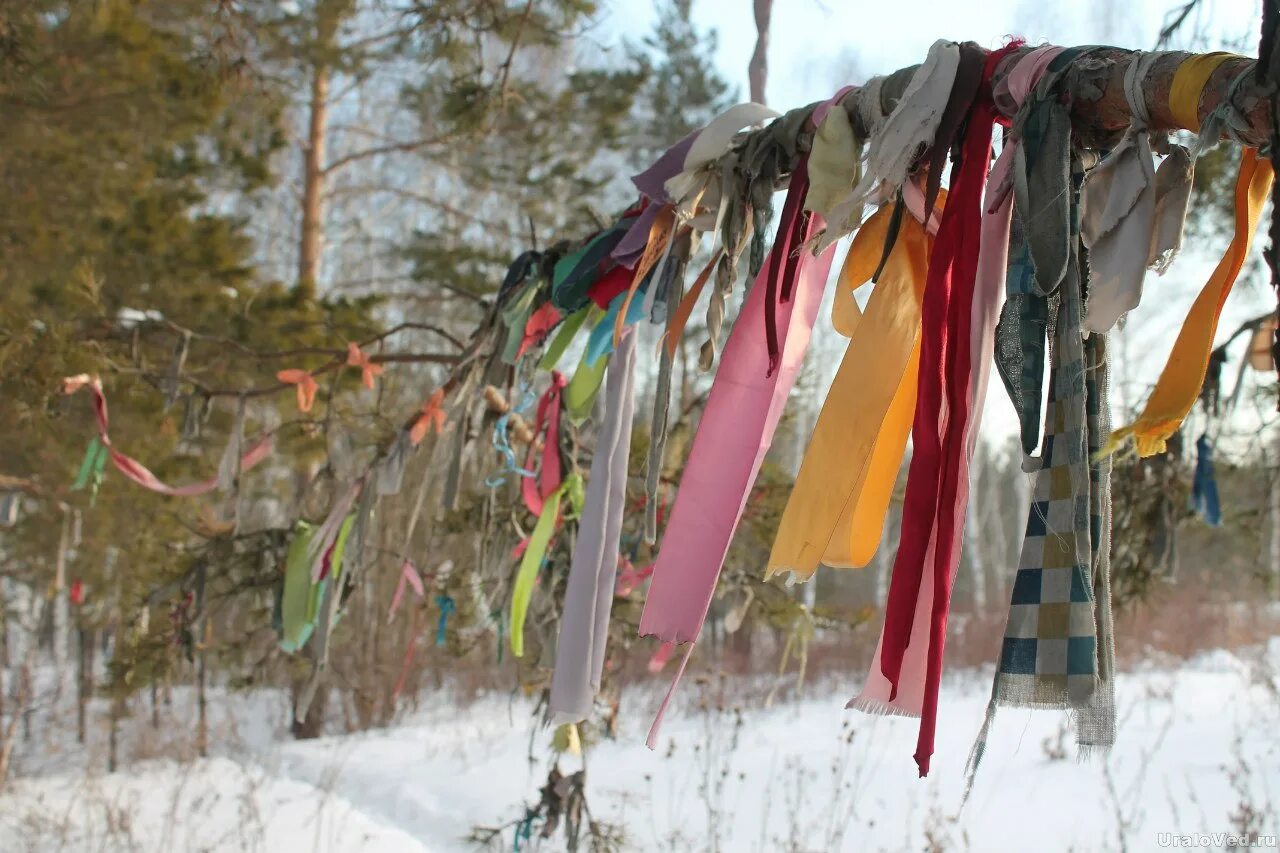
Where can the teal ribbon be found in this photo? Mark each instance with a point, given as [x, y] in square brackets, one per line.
[447, 607]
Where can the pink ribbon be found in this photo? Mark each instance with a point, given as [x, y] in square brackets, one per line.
[735, 432]
[408, 578]
[135, 470]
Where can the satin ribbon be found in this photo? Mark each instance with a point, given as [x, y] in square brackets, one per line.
[92, 467]
[935, 496]
[369, 371]
[305, 385]
[580, 393]
[584, 621]
[136, 471]
[835, 513]
[1204, 485]
[570, 489]
[735, 431]
[630, 578]
[835, 160]
[1179, 385]
[536, 489]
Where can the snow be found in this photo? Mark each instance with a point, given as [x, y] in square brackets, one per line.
[1196, 741]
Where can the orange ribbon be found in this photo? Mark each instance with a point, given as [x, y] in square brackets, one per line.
[306, 385]
[357, 357]
[432, 416]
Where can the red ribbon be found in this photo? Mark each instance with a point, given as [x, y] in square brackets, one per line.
[793, 232]
[929, 508]
[538, 326]
[135, 470]
[538, 488]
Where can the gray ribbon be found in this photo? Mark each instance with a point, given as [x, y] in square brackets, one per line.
[584, 625]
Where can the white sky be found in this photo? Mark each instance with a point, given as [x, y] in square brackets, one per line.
[818, 45]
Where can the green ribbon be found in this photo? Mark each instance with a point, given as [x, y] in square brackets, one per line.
[92, 467]
[516, 317]
[572, 489]
[580, 393]
[564, 336]
[295, 600]
[300, 600]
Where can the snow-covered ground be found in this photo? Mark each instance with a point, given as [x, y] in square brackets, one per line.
[1197, 744]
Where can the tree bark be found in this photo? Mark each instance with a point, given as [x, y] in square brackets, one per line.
[1100, 119]
[310, 242]
[60, 608]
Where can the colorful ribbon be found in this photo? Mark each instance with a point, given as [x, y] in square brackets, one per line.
[736, 429]
[932, 508]
[134, 470]
[305, 385]
[1179, 385]
[535, 489]
[409, 579]
[572, 489]
[369, 371]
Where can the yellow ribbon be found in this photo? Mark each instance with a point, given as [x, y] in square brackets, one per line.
[836, 511]
[1179, 385]
[1188, 85]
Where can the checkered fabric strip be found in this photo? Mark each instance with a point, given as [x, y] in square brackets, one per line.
[1049, 655]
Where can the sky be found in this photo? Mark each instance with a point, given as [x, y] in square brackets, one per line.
[816, 46]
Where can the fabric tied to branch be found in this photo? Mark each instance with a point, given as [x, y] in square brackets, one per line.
[1039, 179]
[536, 489]
[736, 429]
[135, 470]
[1204, 485]
[584, 624]
[1132, 213]
[836, 509]
[1179, 384]
[900, 138]
[933, 509]
[571, 489]
[1058, 650]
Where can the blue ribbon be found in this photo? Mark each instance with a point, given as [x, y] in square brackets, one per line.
[502, 439]
[1204, 485]
[447, 606]
[600, 341]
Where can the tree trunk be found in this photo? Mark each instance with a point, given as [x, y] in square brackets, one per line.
[311, 239]
[313, 725]
[85, 683]
[60, 609]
